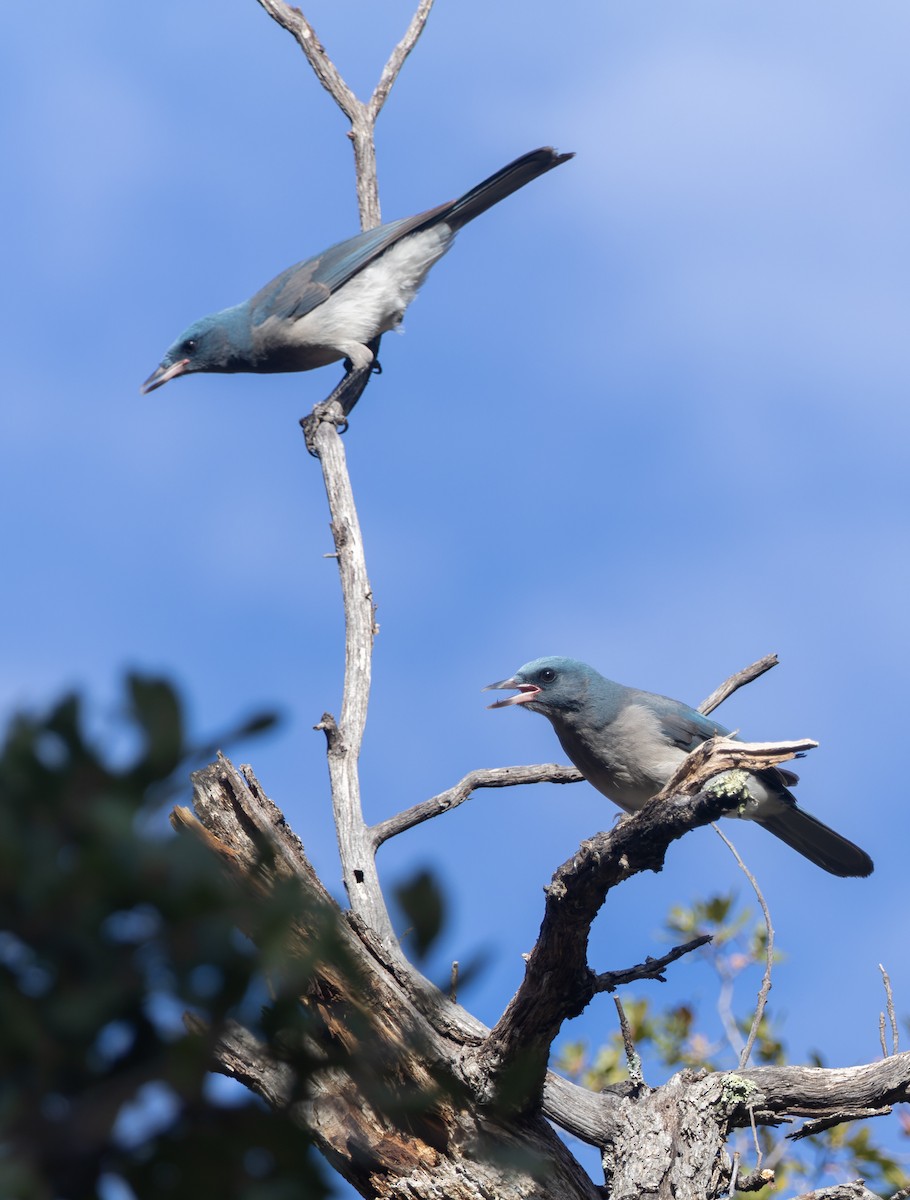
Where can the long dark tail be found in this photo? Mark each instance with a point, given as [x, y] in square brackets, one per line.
[815, 841]
[502, 184]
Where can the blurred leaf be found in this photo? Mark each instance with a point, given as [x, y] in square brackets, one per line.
[423, 907]
[156, 708]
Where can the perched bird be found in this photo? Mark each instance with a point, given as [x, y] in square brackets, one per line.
[628, 743]
[331, 306]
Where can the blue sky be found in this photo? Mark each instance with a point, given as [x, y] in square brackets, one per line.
[649, 412]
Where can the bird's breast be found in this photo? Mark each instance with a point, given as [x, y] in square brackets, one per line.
[627, 759]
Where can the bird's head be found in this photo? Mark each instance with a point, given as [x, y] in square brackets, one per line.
[219, 342]
[552, 686]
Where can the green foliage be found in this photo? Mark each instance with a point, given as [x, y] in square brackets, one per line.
[111, 928]
[676, 1036]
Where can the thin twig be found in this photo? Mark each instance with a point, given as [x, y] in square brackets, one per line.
[397, 58]
[740, 679]
[491, 777]
[717, 697]
[758, 1153]
[651, 968]
[361, 116]
[769, 952]
[754, 1181]
[842, 1117]
[293, 20]
[892, 1016]
[735, 1173]
[633, 1058]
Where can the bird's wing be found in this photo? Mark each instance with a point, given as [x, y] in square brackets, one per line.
[306, 285]
[683, 726]
[687, 728]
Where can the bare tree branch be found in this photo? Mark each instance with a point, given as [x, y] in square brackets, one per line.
[397, 58]
[344, 740]
[651, 968]
[810, 1128]
[293, 20]
[361, 116]
[892, 1016]
[405, 1028]
[816, 1092]
[493, 777]
[633, 1058]
[856, 1190]
[754, 1181]
[703, 763]
[740, 679]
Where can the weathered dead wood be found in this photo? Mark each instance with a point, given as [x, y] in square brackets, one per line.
[362, 116]
[818, 1092]
[856, 1190]
[373, 1004]
[380, 1049]
[382, 1032]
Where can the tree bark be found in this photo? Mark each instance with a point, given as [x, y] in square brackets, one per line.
[418, 1099]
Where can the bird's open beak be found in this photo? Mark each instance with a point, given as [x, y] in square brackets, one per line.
[526, 692]
[162, 374]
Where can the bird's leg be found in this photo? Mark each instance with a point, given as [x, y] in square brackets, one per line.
[356, 379]
[338, 405]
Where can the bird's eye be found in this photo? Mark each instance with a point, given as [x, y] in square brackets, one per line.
[547, 675]
[190, 345]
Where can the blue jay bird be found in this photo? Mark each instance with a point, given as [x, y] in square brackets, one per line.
[628, 743]
[331, 306]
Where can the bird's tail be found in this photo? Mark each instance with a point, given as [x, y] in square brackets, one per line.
[815, 841]
[502, 184]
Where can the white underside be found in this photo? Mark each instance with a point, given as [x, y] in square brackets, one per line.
[373, 302]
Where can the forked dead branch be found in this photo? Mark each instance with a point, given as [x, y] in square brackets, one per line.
[485, 1126]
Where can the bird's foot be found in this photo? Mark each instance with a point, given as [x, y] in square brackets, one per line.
[337, 407]
[328, 412]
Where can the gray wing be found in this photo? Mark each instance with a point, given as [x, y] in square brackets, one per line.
[306, 285]
[687, 728]
[683, 726]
